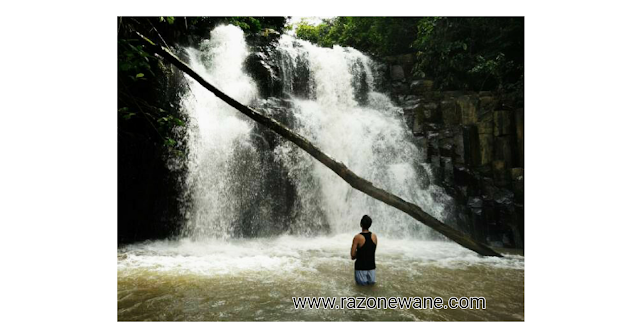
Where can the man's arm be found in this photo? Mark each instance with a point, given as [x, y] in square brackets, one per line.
[354, 247]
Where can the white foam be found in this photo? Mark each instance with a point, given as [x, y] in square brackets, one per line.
[290, 254]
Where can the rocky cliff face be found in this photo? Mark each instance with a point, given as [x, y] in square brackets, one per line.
[475, 143]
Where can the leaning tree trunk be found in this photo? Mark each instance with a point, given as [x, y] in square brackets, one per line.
[339, 168]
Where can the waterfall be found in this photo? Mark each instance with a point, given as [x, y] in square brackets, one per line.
[221, 156]
[244, 181]
[265, 222]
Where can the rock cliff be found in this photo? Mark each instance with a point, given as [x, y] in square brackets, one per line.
[474, 141]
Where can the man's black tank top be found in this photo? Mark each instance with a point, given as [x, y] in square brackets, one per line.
[366, 255]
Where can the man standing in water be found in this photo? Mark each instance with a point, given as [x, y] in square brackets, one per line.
[363, 250]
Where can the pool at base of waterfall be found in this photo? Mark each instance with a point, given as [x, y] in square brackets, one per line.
[256, 279]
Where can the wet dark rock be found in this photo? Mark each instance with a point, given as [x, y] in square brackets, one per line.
[446, 147]
[409, 100]
[503, 150]
[447, 169]
[517, 179]
[406, 62]
[418, 124]
[486, 148]
[400, 87]
[397, 73]
[421, 86]
[488, 189]
[475, 205]
[487, 102]
[467, 109]
[431, 112]
[501, 174]
[475, 202]
[470, 149]
[464, 177]
[265, 72]
[450, 114]
[517, 173]
[263, 38]
[277, 108]
[474, 143]
[519, 128]
[503, 196]
[503, 122]
[484, 170]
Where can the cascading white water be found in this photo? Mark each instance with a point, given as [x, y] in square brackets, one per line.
[370, 138]
[243, 183]
[217, 134]
[366, 133]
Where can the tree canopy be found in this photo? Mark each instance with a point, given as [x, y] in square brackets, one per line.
[144, 96]
[468, 53]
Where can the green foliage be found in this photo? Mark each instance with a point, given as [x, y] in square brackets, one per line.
[139, 76]
[144, 103]
[168, 19]
[458, 53]
[168, 121]
[484, 53]
[124, 112]
[246, 23]
[376, 35]
[256, 24]
[308, 32]
[133, 60]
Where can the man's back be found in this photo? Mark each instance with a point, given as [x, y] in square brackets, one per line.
[366, 251]
[363, 250]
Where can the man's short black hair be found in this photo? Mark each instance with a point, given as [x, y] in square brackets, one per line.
[365, 222]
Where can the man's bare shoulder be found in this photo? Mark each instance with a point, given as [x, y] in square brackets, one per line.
[374, 237]
[358, 237]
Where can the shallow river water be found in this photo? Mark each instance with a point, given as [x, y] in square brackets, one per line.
[255, 280]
